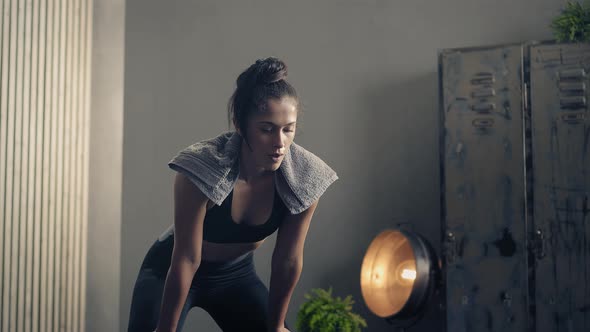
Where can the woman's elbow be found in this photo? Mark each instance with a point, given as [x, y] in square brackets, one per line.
[186, 262]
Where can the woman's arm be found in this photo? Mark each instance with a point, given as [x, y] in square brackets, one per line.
[190, 207]
[287, 263]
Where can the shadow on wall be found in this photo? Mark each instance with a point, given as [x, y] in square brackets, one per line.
[402, 119]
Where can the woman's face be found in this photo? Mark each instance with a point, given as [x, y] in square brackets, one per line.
[270, 133]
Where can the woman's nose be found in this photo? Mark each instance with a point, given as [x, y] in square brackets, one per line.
[279, 141]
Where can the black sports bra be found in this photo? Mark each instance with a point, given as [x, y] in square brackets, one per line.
[218, 226]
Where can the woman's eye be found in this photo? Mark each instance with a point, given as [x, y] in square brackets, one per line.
[266, 130]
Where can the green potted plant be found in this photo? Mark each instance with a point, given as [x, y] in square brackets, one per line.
[323, 313]
[573, 24]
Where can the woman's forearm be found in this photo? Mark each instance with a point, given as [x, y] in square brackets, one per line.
[284, 278]
[176, 288]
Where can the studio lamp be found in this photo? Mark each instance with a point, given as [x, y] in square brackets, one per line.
[399, 274]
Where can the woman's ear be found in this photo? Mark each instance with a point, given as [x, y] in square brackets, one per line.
[237, 128]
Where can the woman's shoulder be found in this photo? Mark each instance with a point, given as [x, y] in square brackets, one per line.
[214, 144]
[302, 163]
[221, 149]
[207, 163]
[306, 158]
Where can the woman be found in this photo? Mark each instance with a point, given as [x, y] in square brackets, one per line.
[230, 193]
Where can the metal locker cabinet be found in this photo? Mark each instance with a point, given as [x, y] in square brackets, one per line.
[482, 172]
[560, 138]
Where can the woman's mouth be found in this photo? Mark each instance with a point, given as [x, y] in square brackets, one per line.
[276, 157]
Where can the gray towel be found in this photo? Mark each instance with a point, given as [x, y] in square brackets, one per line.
[212, 165]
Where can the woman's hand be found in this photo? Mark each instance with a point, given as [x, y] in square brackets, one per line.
[280, 329]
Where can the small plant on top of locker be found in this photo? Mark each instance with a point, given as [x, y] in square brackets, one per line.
[573, 24]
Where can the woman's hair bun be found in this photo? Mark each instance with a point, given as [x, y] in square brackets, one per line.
[270, 70]
[263, 72]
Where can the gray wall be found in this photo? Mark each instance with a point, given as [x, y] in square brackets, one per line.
[106, 168]
[366, 72]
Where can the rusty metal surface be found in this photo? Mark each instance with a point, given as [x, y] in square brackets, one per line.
[484, 236]
[560, 138]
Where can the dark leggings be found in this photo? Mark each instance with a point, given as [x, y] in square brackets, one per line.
[231, 292]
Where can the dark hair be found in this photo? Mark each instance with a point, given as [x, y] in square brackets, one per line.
[262, 81]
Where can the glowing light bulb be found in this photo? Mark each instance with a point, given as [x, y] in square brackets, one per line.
[408, 274]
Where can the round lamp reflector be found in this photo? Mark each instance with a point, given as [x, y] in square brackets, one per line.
[397, 275]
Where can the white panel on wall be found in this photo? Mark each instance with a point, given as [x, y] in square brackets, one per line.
[44, 140]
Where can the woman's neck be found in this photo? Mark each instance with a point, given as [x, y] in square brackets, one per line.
[249, 171]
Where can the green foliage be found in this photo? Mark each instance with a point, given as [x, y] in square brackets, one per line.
[322, 313]
[573, 24]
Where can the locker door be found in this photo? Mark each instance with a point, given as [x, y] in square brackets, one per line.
[560, 138]
[483, 189]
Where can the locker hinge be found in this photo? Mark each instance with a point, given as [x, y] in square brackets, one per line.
[450, 248]
[539, 244]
